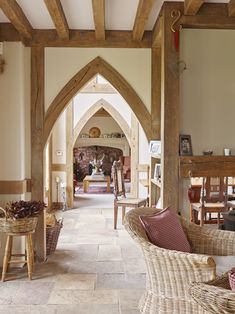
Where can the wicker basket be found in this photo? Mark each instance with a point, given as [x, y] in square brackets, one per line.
[21, 225]
[52, 235]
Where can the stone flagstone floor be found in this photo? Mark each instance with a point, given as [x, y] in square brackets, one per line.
[95, 269]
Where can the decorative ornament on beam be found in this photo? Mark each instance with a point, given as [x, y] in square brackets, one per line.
[176, 14]
[2, 61]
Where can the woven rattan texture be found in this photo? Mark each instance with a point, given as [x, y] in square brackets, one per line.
[19, 225]
[52, 236]
[170, 273]
[215, 296]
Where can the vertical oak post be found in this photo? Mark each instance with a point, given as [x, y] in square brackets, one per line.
[134, 155]
[69, 154]
[170, 110]
[155, 114]
[37, 122]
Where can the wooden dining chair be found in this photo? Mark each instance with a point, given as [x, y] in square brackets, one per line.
[213, 201]
[120, 199]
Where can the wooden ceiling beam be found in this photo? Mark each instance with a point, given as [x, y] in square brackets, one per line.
[113, 39]
[17, 17]
[56, 12]
[157, 33]
[210, 16]
[231, 8]
[191, 7]
[99, 18]
[142, 14]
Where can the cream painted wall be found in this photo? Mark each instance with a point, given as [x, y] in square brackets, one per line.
[207, 93]
[63, 63]
[105, 124]
[82, 102]
[208, 89]
[14, 101]
[59, 140]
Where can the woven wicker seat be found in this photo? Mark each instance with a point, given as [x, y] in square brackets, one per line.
[214, 296]
[170, 273]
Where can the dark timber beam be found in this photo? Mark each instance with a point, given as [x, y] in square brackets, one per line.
[56, 12]
[37, 146]
[99, 18]
[231, 8]
[142, 14]
[15, 14]
[113, 39]
[191, 7]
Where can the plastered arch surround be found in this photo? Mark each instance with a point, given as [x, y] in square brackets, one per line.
[101, 103]
[97, 66]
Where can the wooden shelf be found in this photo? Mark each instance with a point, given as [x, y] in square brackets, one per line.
[201, 166]
[156, 182]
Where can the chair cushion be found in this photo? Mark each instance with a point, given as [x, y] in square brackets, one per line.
[164, 230]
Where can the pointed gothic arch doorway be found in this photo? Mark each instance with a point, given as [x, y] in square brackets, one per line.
[61, 101]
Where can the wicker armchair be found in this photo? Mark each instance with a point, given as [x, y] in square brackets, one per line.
[214, 296]
[171, 272]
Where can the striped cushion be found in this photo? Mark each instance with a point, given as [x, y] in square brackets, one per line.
[164, 230]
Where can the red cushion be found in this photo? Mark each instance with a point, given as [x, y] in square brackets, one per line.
[231, 276]
[164, 230]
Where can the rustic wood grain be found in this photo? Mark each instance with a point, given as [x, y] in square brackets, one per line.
[231, 8]
[14, 187]
[141, 18]
[37, 145]
[17, 17]
[56, 12]
[98, 14]
[200, 166]
[191, 7]
[170, 111]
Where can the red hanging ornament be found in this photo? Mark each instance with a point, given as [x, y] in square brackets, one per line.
[177, 40]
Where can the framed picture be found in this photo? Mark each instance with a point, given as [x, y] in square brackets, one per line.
[185, 145]
[155, 147]
[157, 172]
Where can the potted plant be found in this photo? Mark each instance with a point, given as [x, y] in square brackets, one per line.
[20, 216]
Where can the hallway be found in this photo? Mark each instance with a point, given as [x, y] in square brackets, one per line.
[95, 268]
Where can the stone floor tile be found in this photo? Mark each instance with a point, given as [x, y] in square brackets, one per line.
[32, 292]
[134, 265]
[109, 253]
[85, 308]
[88, 267]
[28, 309]
[78, 296]
[129, 298]
[120, 281]
[76, 281]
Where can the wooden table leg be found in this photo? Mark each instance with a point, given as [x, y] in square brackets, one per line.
[108, 184]
[85, 186]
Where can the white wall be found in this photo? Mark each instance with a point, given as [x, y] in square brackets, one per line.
[63, 63]
[82, 102]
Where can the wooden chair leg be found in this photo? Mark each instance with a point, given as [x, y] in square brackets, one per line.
[29, 249]
[123, 213]
[115, 215]
[7, 256]
[191, 214]
[202, 217]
